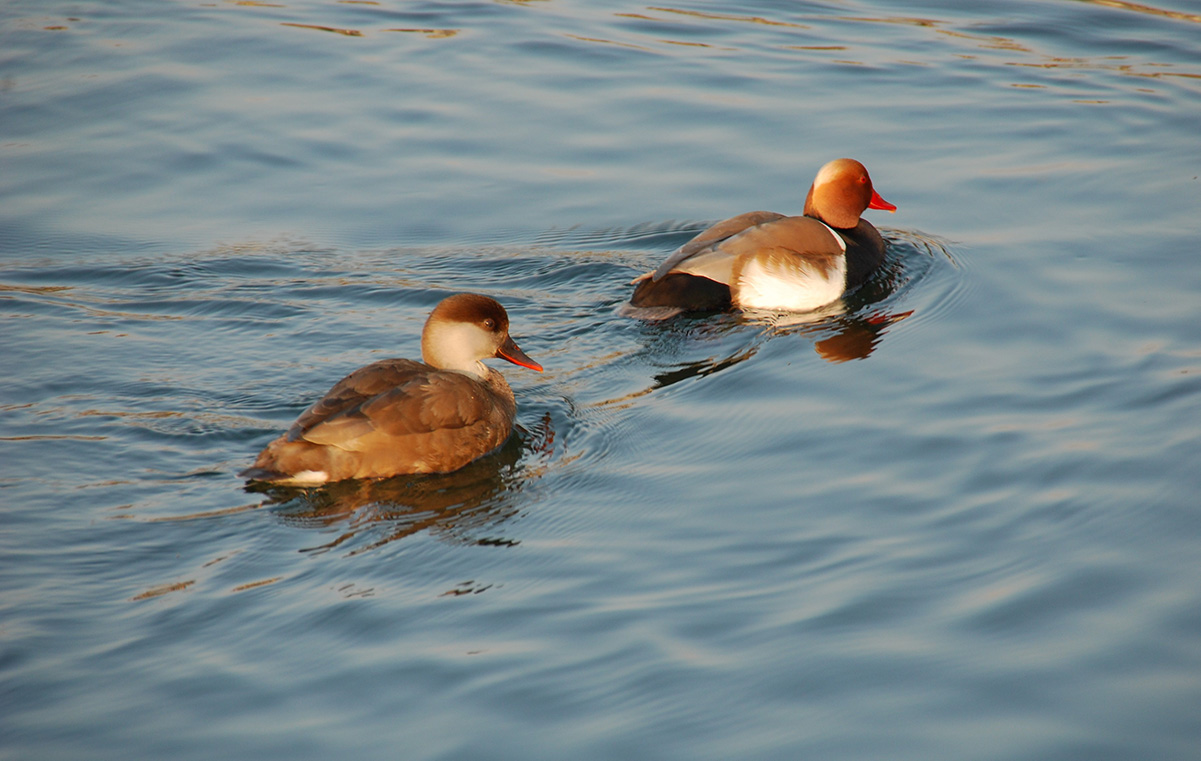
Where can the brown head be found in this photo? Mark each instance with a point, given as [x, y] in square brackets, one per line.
[466, 328]
[841, 192]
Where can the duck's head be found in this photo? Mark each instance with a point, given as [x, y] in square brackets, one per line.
[841, 192]
[466, 328]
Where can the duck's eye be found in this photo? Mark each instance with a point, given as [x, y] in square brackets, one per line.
[490, 323]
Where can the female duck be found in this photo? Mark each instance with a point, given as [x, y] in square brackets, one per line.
[764, 260]
[400, 416]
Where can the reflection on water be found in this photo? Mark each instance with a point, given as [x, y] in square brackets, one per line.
[433, 34]
[857, 339]
[1148, 9]
[644, 31]
[319, 28]
[974, 43]
[467, 506]
[837, 338]
[715, 17]
[700, 368]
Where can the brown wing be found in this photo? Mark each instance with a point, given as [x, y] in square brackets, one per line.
[439, 400]
[350, 392]
[394, 397]
[700, 248]
[798, 235]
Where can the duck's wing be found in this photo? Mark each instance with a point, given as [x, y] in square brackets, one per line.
[350, 392]
[705, 256]
[393, 398]
[802, 236]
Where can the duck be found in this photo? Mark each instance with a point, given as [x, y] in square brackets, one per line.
[768, 261]
[400, 416]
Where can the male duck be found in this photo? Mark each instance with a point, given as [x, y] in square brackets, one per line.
[764, 260]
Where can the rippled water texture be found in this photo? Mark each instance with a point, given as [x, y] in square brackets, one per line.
[952, 517]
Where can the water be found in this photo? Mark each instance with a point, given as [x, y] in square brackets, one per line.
[956, 518]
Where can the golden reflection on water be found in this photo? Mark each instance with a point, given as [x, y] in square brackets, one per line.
[660, 14]
[1148, 9]
[727, 17]
[607, 42]
[1127, 69]
[256, 584]
[902, 20]
[433, 34]
[979, 42]
[162, 589]
[334, 29]
[691, 44]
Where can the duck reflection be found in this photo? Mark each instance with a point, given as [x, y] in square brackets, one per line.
[468, 506]
[857, 338]
[838, 339]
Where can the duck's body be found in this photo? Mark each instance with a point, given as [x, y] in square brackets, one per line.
[765, 260]
[400, 416]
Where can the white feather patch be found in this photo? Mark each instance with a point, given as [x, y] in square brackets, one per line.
[789, 285]
[308, 477]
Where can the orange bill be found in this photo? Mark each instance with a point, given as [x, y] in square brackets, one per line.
[511, 351]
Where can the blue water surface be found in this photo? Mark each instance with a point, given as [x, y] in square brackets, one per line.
[954, 517]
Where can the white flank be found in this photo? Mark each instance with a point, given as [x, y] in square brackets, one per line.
[789, 285]
[309, 477]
